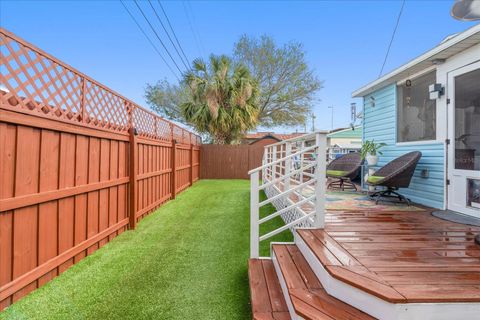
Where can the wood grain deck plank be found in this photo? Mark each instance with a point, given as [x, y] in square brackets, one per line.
[321, 300]
[258, 287]
[335, 248]
[308, 276]
[277, 301]
[379, 289]
[422, 258]
[308, 297]
[433, 278]
[439, 293]
[307, 311]
[325, 256]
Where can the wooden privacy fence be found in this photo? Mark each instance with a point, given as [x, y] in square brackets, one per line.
[79, 164]
[229, 161]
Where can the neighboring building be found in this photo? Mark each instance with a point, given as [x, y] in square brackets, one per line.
[432, 104]
[266, 138]
[344, 140]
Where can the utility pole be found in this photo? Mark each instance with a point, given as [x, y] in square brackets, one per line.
[313, 122]
[331, 107]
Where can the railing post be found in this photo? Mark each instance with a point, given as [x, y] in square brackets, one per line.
[132, 218]
[267, 159]
[254, 211]
[320, 167]
[264, 161]
[302, 158]
[288, 164]
[274, 166]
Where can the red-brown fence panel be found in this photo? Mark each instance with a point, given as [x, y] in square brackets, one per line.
[182, 166]
[229, 161]
[79, 164]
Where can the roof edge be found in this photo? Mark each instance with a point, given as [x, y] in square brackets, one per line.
[439, 48]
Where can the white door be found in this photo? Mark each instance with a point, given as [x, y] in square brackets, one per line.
[463, 90]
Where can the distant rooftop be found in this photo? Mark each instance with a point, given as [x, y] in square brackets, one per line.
[346, 133]
[278, 136]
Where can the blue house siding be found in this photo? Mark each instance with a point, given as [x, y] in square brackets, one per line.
[380, 123]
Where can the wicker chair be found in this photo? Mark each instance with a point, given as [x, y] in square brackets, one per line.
[342, 170]
[394, 175]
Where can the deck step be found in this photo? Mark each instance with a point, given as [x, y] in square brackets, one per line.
[266, 294]
[341, 265]
[305, 292]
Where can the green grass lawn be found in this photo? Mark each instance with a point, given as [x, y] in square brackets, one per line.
[188, 260]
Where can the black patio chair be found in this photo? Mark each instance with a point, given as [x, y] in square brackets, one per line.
[343, 170]
[394, 175]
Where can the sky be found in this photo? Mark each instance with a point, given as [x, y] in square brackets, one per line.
[345, 41]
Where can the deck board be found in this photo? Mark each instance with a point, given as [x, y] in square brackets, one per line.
[309, 298]
[413, 255]
[266, 294]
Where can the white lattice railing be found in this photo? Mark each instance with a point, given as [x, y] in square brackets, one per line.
[293, 178]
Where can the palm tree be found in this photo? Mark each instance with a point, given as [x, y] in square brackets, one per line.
[223, 98]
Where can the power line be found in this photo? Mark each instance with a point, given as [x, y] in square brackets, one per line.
[191, 28]
[196, 29]
[391, 40]
[149, 40]
[168, 35]
[173, 31]
[158, 37]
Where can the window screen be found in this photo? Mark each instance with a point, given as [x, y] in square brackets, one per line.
[416, 113]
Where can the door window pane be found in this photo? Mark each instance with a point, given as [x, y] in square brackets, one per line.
[467, 121]
[416, 113]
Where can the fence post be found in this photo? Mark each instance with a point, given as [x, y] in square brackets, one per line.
[320, 167]
[82, 101]
[132, 221]
[254, 232]
[288, 164]
[191, 160]
[174, 169]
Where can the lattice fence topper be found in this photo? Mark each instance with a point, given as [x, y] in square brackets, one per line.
[144, 122]
[164, 130]
[104, 109]
[33, 82]
[186, 136]
[198, 140]
[178, 134]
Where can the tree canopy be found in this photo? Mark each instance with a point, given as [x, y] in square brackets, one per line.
[221, 100]
[287, 85]
[283, 89]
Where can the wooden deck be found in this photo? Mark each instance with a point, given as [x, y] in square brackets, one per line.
[309, 298]
[401, 257]
[266, 294]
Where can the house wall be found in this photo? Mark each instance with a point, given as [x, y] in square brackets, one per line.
[353, 142]
[380, 124]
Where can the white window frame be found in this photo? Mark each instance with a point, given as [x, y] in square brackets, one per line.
[437, 110]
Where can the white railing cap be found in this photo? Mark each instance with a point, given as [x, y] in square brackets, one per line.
[282, 159]
[299, 138]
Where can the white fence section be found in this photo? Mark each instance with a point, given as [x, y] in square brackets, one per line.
[293, 178]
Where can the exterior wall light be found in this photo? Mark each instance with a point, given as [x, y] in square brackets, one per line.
[436, 90]
[372, 101]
